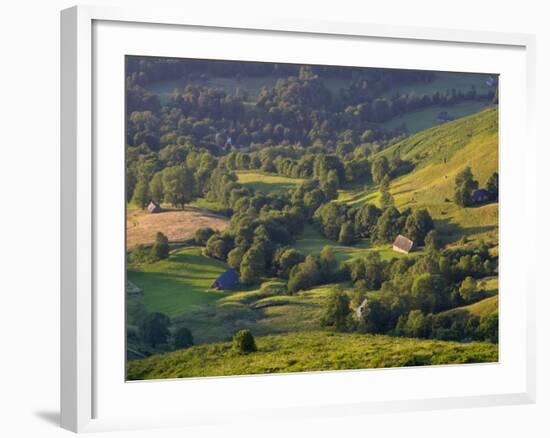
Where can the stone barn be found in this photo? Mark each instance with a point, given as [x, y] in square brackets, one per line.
[403, 244]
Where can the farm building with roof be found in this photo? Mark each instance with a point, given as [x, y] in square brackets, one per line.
[153, 207]
[362, 310]
[403, 244]
[444, 116]
[480, 196]
[226, 280]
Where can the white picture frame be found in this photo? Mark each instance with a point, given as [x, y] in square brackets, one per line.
[84, 319]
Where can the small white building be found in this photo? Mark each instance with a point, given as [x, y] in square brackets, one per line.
[362, 310]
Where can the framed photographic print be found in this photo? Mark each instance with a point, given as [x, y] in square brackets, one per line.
[286, 218]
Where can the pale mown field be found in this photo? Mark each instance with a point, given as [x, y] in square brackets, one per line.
[177, 225]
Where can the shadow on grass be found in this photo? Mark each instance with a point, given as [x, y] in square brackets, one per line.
[270, 187]
[451, 231]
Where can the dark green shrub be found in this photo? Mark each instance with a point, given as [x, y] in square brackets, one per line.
[183, 338]
[243, 342]
[154, 329]
[160, 248]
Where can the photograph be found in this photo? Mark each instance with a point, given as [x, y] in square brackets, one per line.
[285, 218]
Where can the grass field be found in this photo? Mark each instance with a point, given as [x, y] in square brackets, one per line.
[359, 196]
[266, 310]
[487, 288]
[267, 183]
[179, 282]
[416, 121]
[439, 156]
[210, 206]
[309, 351]
[177, 225]
[312, 242]
[444, 81]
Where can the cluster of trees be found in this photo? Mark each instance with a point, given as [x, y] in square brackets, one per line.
[415, 295]
[382, 109]
[158, 251]
[298, 109]
[261, 229]
[342, 223]
[439, 281]
[175, 174]
[465, 185]
[448, 326]
[154, 331]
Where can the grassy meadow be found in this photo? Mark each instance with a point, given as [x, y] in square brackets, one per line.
[267, 183]
[416, 121]
[312, 242]
[310, 351]
[182, 280]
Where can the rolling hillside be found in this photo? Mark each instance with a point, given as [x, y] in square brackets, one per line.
[438, 155]
[309, 351]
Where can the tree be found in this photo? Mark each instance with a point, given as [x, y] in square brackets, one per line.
[140, 254]
[432, 241]
[330, 184]
[141, 194]
[388, 225]
[380, 168]
[160, 248]
[337, 310]
[385, 184]
[218, 246]
[202, 235]
[235, 257]
[492, 186]
[304, 275]
[156, 188]
[330, 217]
[365, 220]
[464, 186]
[467, 288]
[328, 262]
[417, 325]
[418, 224]
[183, 338]
[428, 292]
[178, 185]
[347, 233]
[252, 264]
[488, 327]
[386, 200]
[243, 342]
[287, 259]
[154, 329]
